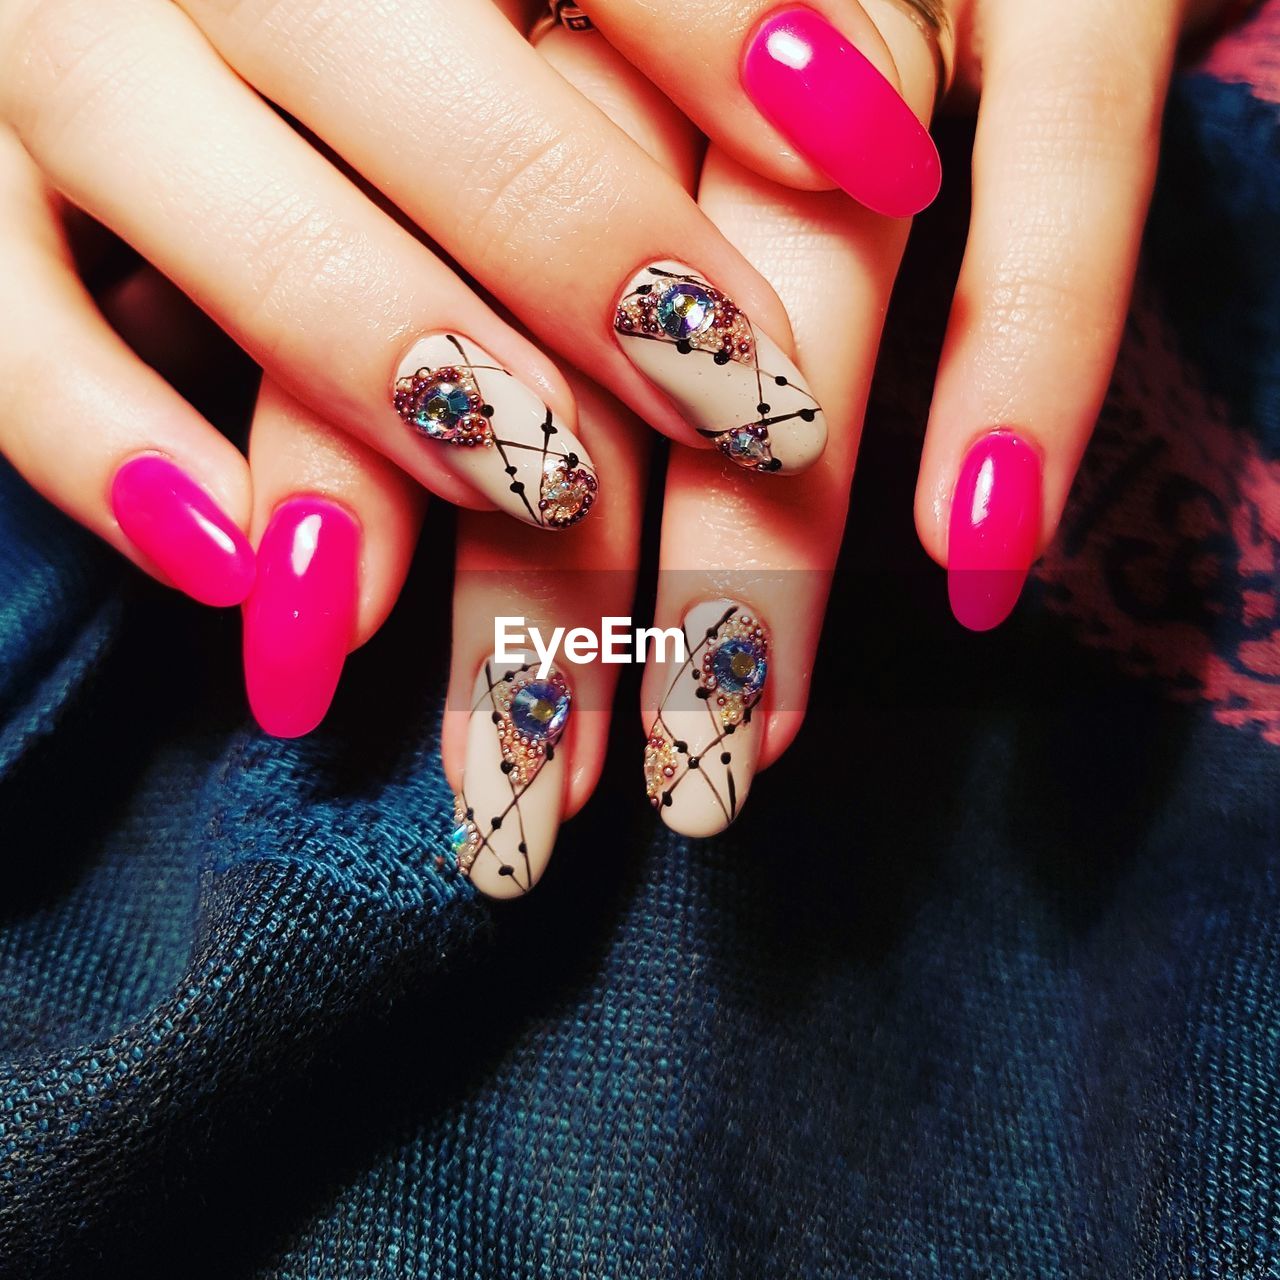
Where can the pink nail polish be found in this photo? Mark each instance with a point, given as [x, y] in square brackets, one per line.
[300, 619]
[995, 525]
[833, 105]
[176, 524]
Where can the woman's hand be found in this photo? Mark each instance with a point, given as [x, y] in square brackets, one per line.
[1067, 144]
[145, 117]
[135, 116]
[745, 557]
[531, 163]
[1069, 103]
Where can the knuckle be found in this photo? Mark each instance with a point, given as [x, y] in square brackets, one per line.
[550, 176]
[303, 262]
[1030, 298]
[1077, 104]
[60, 61]
[292, 247]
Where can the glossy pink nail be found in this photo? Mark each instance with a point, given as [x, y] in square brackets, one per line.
[176, 524]
[833, 105]
[300, 619]
[995, 525]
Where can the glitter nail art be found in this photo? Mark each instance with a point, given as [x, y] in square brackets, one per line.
[507, 814]
[502, 438]
[701, 748]
[736, 386]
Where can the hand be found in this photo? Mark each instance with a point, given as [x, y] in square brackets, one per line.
[743, 555]
[379, 361]
[1069, 102]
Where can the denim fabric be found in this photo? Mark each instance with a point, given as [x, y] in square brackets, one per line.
[985, 982]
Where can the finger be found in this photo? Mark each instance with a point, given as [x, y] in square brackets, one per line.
[529, 164]
[807, 95]
[95, 430]
[335, 524]
[744, 575]
[527, 724]
[345, 309]
[1063, 167]
[523, 746]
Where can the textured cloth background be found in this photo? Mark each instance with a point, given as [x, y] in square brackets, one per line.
[986, 983]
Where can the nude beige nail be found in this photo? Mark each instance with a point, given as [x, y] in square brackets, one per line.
[704, 742]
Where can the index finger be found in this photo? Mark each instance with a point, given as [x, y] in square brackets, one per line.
[807, 95]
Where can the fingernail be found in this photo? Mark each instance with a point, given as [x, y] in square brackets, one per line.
[508, 812]
[732, 382]
[500, 436]
[837, 109]
[176, 524]
[995, 525]
[300, 619]
[703, 744]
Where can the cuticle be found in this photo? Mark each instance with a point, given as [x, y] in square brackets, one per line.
[1005, 429]
[313, 496]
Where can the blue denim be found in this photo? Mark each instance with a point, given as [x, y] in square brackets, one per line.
[984, 983]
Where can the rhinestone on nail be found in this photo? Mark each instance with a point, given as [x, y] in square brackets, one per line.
[539, 710]
[567, 493]
[444, 404]
[685, 309]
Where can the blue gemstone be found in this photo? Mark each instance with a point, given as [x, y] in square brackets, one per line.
[440, 406]
[685, 310]
[740, 666]
[458, 839]
[539, 710]
[747, 447]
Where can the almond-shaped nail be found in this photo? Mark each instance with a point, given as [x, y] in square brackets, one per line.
[300, 619]
[500, 436]
[177, 525]
[703, 744]
[833, 105]
[732, 382]
[508, 813]
[995, 526]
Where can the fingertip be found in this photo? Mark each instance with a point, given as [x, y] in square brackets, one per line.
[932, 504]
[293, 453]
[839, 100]
[993, 533]
[781, 730]
[175, 524]
[509, 804]
[587, 750]
[300, 617]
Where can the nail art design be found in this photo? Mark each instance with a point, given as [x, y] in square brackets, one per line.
[735, 385]
[507, 443]
[508, 812]
[701, 750]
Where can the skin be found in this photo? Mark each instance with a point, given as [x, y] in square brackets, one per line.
[579, 161]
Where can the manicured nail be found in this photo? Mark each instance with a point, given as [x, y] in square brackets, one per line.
[508, 812]
[732, 382]
[502, 438]
[702, 747]
[300, 619]
[995, 525]
[832, 104]
[175, 523]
